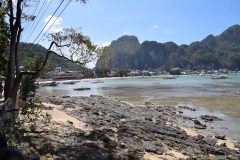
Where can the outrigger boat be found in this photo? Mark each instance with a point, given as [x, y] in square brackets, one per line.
[81, 89]
[221, 76]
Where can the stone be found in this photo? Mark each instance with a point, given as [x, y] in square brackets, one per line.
[210, 118]
[220, 137]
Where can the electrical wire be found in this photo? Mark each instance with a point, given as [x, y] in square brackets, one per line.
[54, 21]
[34, 11]
[48, 21]
[27, 13]
[38, 20]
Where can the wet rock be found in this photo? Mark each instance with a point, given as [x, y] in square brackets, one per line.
[65, 96]
[120, 131]
[148, 103]
[220, 137]
[210, 118]
[199, 125]
[202, 126]
[187, 108]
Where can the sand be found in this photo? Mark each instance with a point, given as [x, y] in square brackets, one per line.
[60, 116]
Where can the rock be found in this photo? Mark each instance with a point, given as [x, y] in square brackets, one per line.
[65, 96]
[223, 144]
[196, 122]
[180, 112]
[148, 119]
[70, 122]
[220, 137]
[121, 131]
[187, 108]
[148, 103]
[210, 118]
[199, 125]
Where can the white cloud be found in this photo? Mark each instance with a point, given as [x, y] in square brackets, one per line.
[91, 65]
[103, 44]
[55, 22]
[106, 44]
[124, 32]
[155, 26]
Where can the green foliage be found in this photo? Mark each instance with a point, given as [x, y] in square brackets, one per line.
[234, 61]
[32, 55]
[27, 86]
[74, 46]
[4, 35]
[123, 72]
[213, 52]
[101, 72]
[30, 114]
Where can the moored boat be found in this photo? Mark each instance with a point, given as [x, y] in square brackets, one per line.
[221, 76]
[169, 77]
[81, 88]
[70, 82]
[49, 83]
[98, 81]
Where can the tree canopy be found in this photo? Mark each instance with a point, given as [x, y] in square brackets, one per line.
[4, 39]
[69, 44]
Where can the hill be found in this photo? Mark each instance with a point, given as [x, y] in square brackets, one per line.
[28, 53]
[213, 52]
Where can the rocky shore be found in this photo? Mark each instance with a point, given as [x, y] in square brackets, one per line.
[96, 127]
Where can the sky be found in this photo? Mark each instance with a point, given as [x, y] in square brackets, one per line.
[179, 21]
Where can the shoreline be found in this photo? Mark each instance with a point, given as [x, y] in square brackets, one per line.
[149, 131]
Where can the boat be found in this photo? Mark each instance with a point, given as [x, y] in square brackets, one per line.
[81, 89]
[49, 83]
[221, 76]
[98, 81]
[169, 77]
[70, 82]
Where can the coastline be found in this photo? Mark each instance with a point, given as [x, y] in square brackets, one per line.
[114, 129]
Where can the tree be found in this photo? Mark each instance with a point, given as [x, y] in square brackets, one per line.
[3, 41]
[80, 48]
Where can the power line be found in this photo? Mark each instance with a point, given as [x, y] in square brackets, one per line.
[48, 21]
[54, 21]
[34, 11]
[36, 17]
[39, 20]
[27, 13]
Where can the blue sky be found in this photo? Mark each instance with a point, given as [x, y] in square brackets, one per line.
[180, 21]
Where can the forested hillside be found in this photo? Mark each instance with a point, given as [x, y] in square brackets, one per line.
[213, 52]
[30, 53]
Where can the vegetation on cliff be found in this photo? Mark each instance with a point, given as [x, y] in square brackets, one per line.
[213, 52]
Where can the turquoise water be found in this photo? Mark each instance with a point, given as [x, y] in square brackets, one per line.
[159, 88]
[153, 87]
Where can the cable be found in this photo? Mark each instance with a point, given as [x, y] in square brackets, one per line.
[39, 20]
[48, 21]
[30, 31]
[54, 21]
[27, 13]
[34, 11]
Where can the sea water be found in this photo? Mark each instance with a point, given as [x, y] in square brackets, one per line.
[158, 88]
[153, 87]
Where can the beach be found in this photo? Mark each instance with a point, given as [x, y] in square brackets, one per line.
[97, 127]
[143, 118]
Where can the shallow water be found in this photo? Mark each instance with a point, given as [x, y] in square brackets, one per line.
[228, 126]
[153, 87]
[150, 88]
